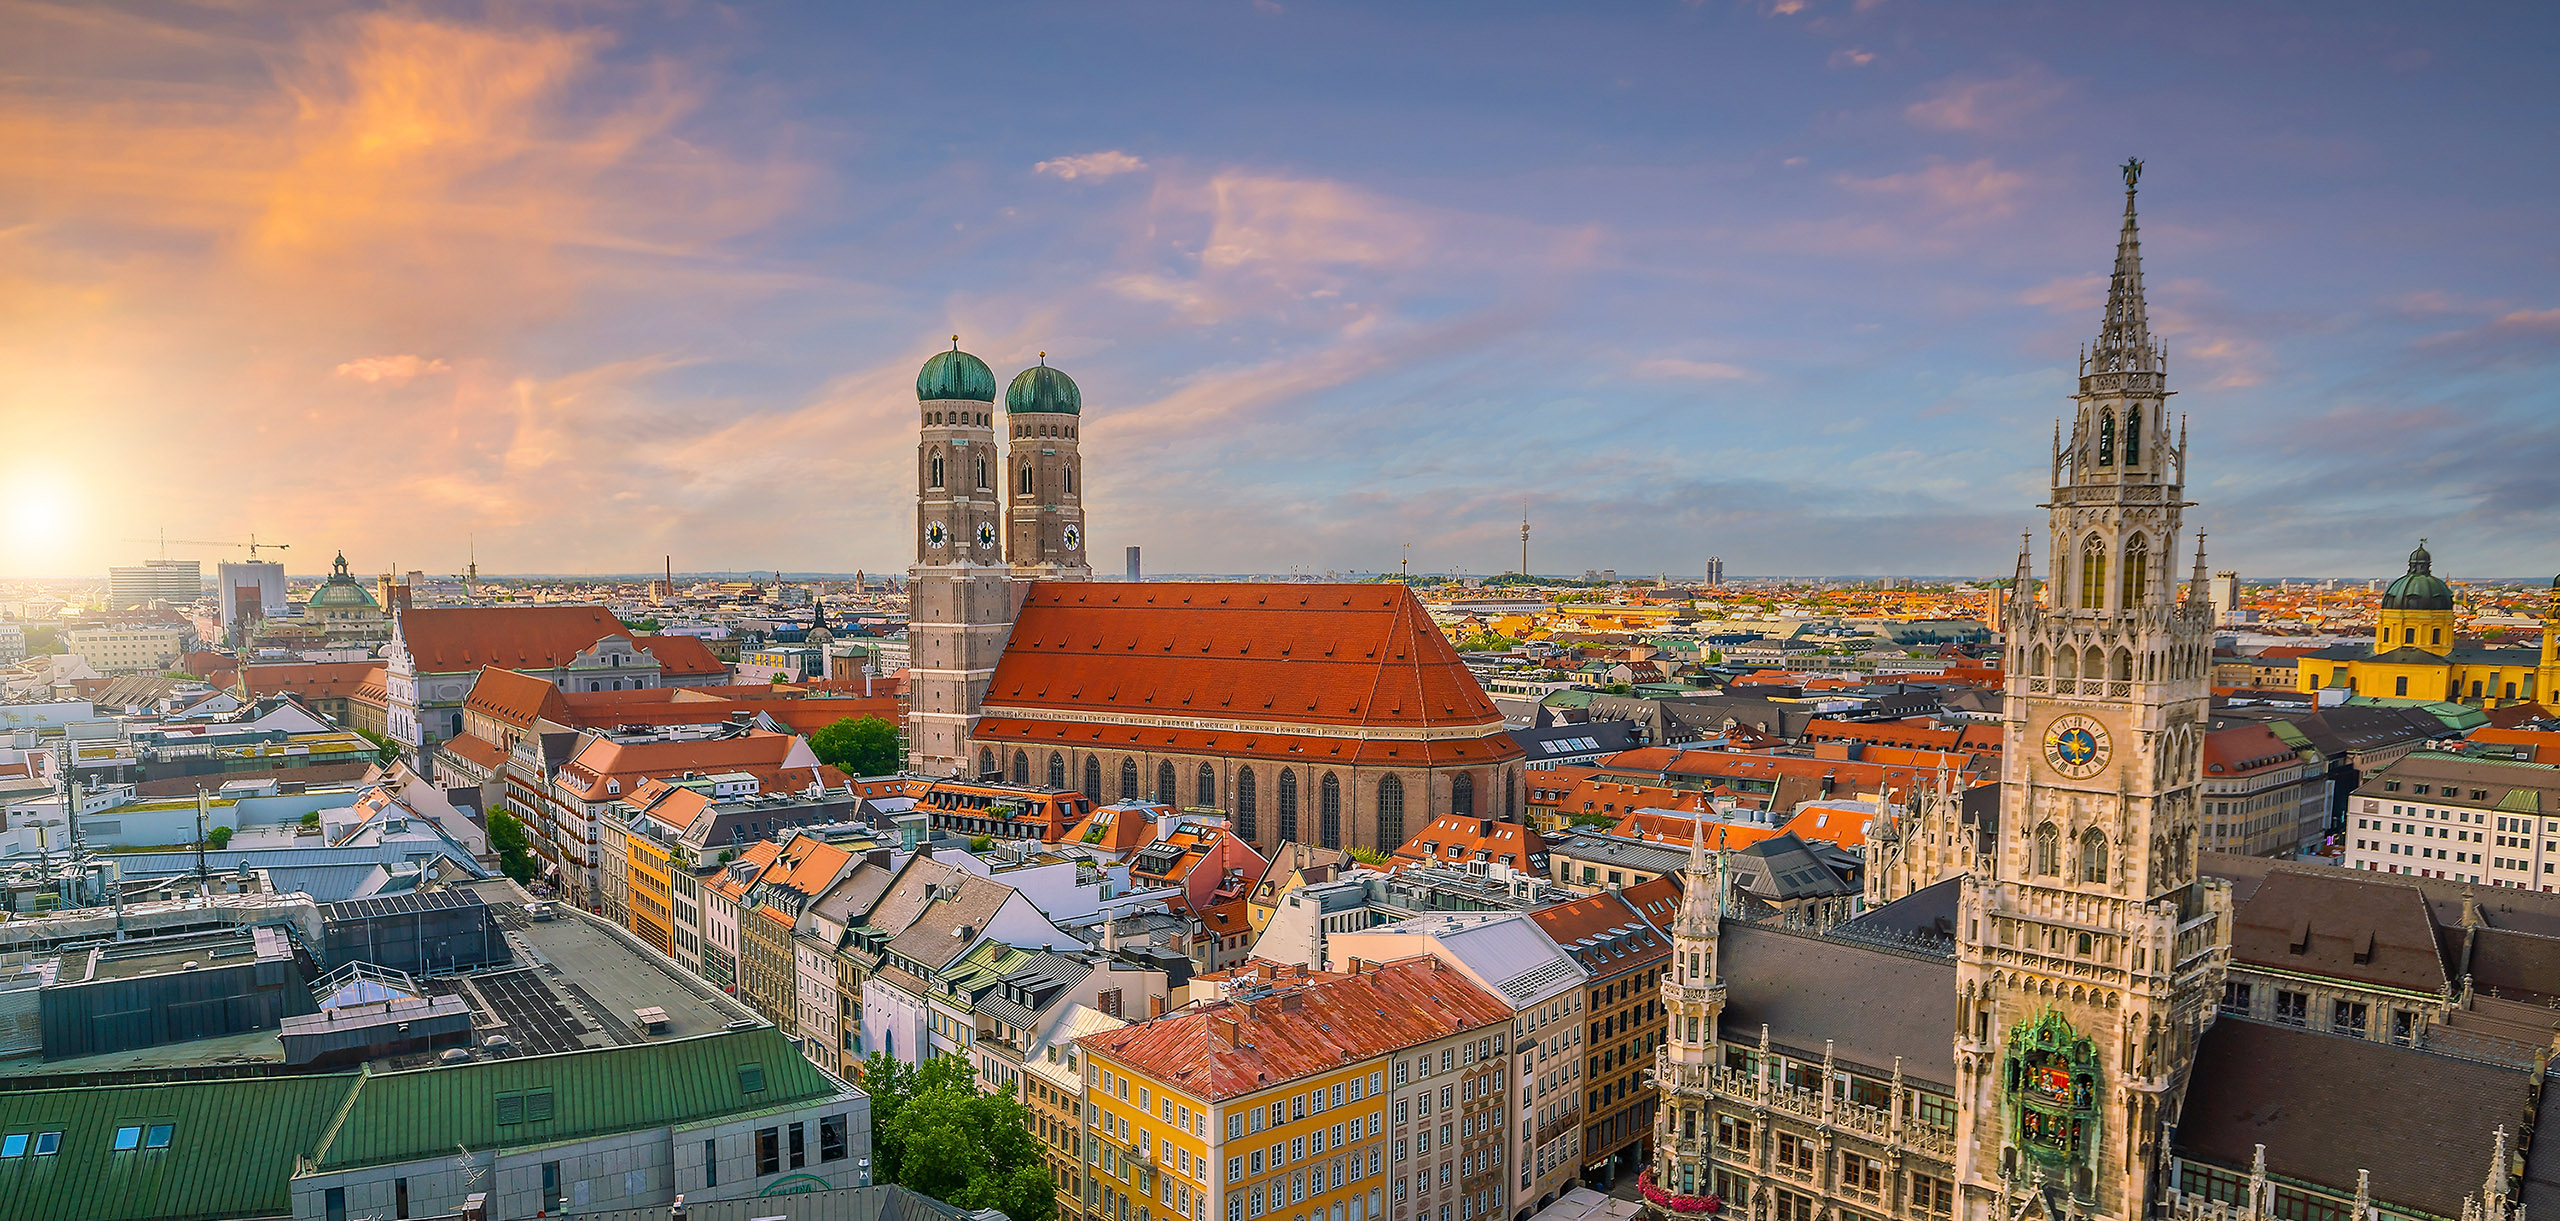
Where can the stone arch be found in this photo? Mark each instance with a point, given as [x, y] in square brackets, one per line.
[2038, 660]
[2122, 670]
[2066, 662]
[2093, 662]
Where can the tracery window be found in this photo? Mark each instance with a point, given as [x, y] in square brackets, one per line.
[1245, 802]
[1288, 804]
[2093, 574]
[1128, 780]
[2048, 862]
[2137, 572]
[1390, 813]
[1329, 811]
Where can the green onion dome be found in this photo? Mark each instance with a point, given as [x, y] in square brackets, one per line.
[956, 375]
[2421, 589]
[1043, 389]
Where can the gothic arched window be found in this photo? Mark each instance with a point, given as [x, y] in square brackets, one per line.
[2122, 671]
[1511, 794]
[2093, 662]
[1288, 804]
[933, 475]
[2093, 574]
[2137, 572]
[2038, 660]
[1067, 479]
[986, 762]
[2048, 860]
[983, 485]
[1093, 778]
[1462, 794]
[1128, 780]
[1244, 802]
[2093, 856]
[1026, 479]
[2133, 437]
[1390, 814]
[1057, 770]
[1208, 786]
[1164, 784]
[1329, 810]
[1021, 768]
[2106, 438]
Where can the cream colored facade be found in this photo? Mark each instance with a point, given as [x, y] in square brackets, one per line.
[128, 650]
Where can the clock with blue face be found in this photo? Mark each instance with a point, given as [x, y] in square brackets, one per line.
[2076, 746]
[1074, 538]
[936, 535]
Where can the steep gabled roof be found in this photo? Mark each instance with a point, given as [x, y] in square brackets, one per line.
[310, 680]
[1330, 655]
[516, 699]
[682, 657]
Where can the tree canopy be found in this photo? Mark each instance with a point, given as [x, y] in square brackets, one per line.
[514, 847]
[933, 1132]
[859, 746]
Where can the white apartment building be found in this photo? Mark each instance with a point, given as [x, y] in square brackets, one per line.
[115, 649]
[2437, 815]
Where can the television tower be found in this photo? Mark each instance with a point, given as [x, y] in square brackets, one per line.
[1524, 536]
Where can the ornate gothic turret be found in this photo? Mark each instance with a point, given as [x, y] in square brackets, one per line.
[2088, 950]
[1693, 995]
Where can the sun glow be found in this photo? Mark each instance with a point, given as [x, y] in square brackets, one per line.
[39, 515]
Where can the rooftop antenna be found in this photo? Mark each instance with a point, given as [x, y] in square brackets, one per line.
[204, 877]
[1524, 536]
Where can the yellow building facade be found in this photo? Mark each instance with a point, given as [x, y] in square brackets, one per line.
[2415, 653]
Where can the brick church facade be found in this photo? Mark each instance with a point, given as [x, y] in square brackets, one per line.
[1332, 714]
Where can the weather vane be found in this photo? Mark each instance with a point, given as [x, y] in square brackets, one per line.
[2132, 171]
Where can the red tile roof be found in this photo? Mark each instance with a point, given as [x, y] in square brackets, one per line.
[485, 753]
[1470, 837]
[1332, 655]
[778, 761]
[324, 680]
[448, 640]
[1281, 747]
[2238, 750]
[516, 699]
[1308, 1025]
[682, 657]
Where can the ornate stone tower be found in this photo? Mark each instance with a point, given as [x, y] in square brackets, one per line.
[2089, 954]
[1693, 996]
[960, 598]
[1044, 516]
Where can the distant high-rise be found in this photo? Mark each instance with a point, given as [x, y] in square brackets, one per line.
[177, 582]
[2225, 593]
[1133, 565]
[1715, 571]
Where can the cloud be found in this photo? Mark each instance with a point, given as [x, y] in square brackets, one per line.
[1097, 166]
[1988, 105]
[1674, 369]
[1979, 189]
[2081, 294]
[1855, 57]
[400, 368]
[2531, 319]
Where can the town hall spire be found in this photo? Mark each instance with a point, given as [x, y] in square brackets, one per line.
[2124, 337]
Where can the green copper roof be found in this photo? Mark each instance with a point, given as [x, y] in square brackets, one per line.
[2421, 589]
[956, 375]
[1043, 389]
[423, 1113]
[231, 1149]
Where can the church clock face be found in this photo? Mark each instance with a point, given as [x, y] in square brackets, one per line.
[986, 535]
[936, 536]
[2076, 746]
[1074, 538]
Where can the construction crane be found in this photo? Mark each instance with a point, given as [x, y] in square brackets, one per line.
[253, 544]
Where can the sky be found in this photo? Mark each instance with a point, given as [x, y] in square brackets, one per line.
[1797, 283]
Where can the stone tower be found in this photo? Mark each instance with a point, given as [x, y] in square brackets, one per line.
[1693, 995]
[960, 597]
[1044, 479]
[2089, 954]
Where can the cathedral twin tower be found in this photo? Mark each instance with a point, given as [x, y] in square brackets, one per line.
[987, 523]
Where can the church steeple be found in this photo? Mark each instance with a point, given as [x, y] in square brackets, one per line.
[2124, 336]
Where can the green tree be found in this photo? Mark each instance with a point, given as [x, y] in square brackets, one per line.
[383, 748]
[1488, 642]
[513, 845]
[933, 1132]
[218, 838]
[44, 638]
[859, 746]
[643, 626]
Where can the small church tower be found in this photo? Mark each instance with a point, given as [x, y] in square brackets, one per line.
[1044, 481]
[1693, 996]
[960, 597]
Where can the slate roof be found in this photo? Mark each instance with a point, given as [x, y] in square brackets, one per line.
[2310, 1099]
[1604, 933]
[1876, 1004]
[2343, 925]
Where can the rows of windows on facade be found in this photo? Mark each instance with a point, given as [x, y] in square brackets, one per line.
[2126, 1041]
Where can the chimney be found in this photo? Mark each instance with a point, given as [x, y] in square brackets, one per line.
[1356, 964]
[1155, 1006]
[1229, 1031]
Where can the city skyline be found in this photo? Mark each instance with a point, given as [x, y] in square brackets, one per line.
[657, 283]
